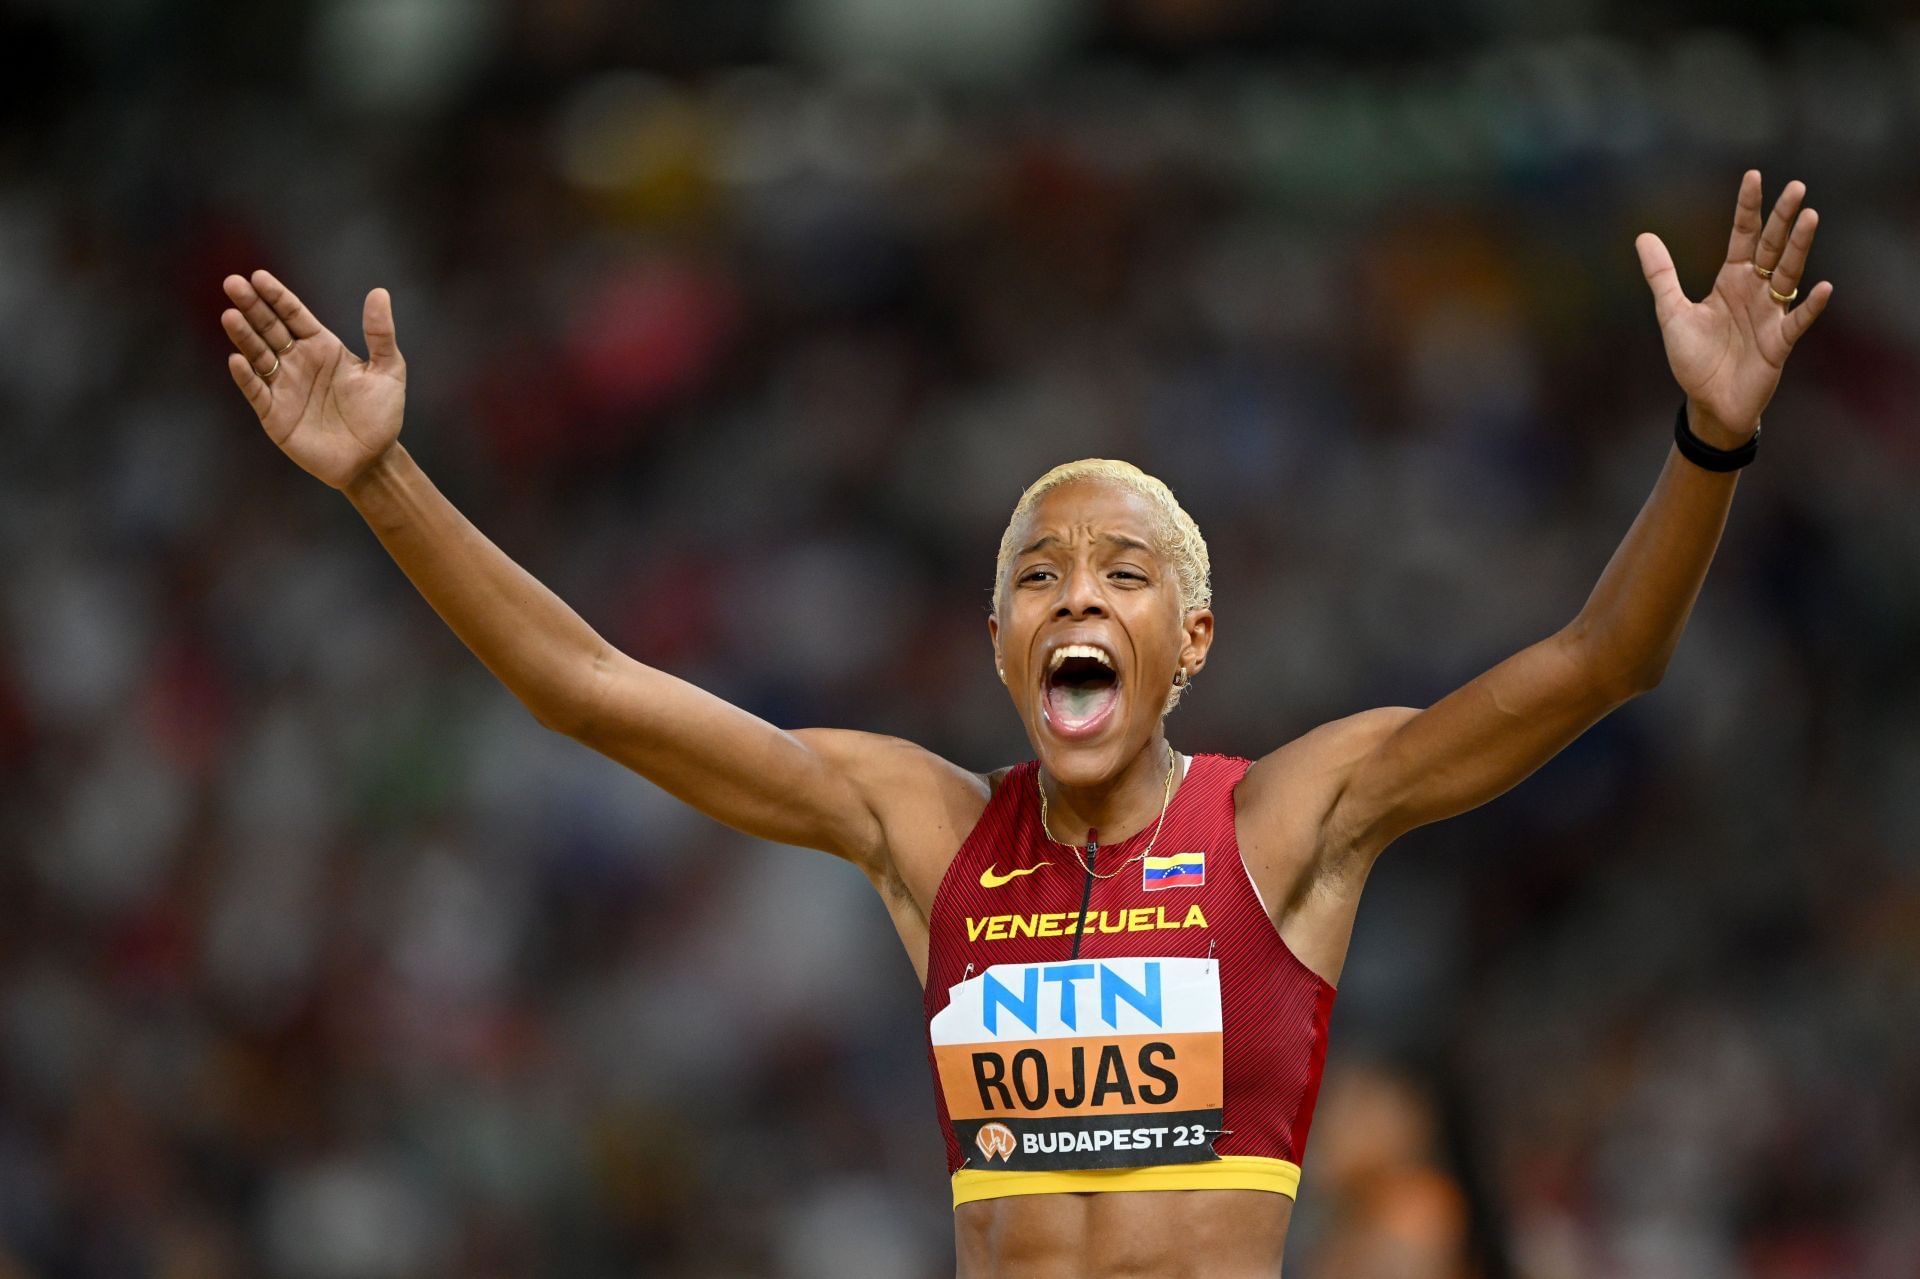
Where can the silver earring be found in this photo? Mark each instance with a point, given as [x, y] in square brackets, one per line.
[1180, 678]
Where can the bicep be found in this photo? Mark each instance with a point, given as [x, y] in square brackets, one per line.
[769, 782]
[1472, 745]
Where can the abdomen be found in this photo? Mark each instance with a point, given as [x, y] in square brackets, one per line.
[1151, 1234]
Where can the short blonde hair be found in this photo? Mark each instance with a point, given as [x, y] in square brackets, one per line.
[1178, 536]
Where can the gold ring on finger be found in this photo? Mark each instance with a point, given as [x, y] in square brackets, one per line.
[1783, 298]
[1765, 273]
[268, 375]
[282, 350]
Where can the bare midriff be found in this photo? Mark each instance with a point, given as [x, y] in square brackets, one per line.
[1162, 1234]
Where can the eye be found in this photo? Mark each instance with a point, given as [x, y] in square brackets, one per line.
[1036, 574]
[1126, 572]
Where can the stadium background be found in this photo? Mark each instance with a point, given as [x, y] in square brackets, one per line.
[742, 325]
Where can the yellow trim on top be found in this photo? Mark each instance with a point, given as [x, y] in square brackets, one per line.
[1229, 1172]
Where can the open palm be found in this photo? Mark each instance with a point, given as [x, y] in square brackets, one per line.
[330, 411]
[1727, 350]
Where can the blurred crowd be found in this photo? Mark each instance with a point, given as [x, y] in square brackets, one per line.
[742, 326]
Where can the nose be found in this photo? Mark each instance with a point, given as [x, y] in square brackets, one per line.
[1080, 594]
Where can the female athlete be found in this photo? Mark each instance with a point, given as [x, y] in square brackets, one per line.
[1129, 954]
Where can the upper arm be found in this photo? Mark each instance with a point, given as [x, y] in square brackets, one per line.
[725, 761]
[921, 806]
[1477, 742]
[851, 794]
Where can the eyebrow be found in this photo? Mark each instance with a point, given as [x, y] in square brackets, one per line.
[1120, 540]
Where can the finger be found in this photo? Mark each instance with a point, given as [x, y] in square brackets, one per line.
[1793, 263]
[376, 322]
[1746, 219]
[258, 393]
[249, 342]
[1801, 318]
[285, 305]
[1773, 240]
[1669, 299]
[261, 316]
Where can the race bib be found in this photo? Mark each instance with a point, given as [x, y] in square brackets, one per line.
[1093, 1063]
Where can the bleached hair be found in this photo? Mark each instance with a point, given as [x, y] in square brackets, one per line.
[1174, 530]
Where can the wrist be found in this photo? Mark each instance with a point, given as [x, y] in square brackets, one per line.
[380, 473]
[1708, 456]
[1715, 433]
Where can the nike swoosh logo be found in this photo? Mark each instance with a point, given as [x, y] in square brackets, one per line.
[989, 879]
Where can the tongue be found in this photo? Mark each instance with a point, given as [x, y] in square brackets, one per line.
[1074, 707]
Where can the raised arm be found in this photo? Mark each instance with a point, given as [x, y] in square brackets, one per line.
[339, 418]
[1404, 768]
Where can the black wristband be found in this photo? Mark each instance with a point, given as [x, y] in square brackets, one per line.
[1703, 454]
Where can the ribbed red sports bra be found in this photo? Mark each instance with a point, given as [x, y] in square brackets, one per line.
[1141, 1028]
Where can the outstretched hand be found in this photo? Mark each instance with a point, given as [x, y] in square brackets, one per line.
[1727, 349]
[330, 411]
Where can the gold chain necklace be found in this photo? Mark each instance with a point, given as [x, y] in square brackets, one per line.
[1173, 758]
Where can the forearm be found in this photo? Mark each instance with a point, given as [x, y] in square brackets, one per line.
[525, 634]
[1631, 623]
[339, 417]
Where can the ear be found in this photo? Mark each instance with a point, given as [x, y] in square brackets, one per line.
[993, 634]
[1198, 625]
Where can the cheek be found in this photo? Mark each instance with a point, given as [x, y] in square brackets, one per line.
[1156, 626]
[1015, 636]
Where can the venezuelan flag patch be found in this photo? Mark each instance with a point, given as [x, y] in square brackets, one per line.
[1175, 870]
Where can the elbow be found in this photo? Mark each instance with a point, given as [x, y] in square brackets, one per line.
[1649, 679]
[1614, 676]
[555, 716]
[570, 705]
[1644, 673]
[1624, 683]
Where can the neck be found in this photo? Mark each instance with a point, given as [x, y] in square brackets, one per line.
[1118, 807]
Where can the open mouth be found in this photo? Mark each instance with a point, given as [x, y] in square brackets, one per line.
[1082, 689]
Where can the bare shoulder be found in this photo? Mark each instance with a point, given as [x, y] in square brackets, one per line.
[924, 805]
[1282, 804]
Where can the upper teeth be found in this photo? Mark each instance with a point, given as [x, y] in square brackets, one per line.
[1065, 651]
